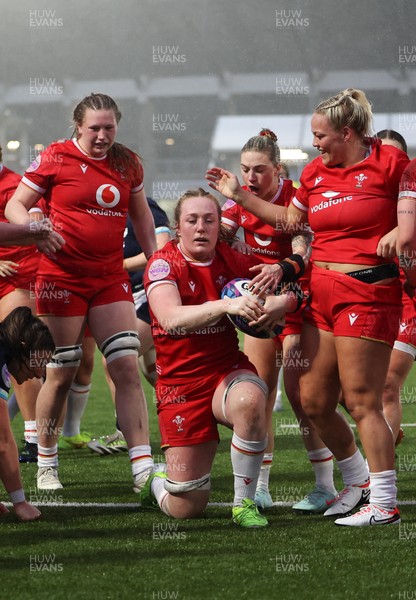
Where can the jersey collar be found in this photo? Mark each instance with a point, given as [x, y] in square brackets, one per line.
[279, 189]
[196, 263]
[74, 140]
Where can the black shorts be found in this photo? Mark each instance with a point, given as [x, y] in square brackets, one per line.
[142, 313]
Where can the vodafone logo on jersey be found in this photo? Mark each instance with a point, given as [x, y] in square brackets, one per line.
[330, 194]
[262, 240]
[107, 195]
[333, 200]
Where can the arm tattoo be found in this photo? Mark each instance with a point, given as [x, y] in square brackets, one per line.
[302, 241]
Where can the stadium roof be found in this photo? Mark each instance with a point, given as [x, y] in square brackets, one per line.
[293, 131]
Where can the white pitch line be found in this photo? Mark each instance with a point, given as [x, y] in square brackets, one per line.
[296, 426]
[133, 505]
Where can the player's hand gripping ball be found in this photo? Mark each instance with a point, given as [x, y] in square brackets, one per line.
[240, 287]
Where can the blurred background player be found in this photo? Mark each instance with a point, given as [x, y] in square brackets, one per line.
[404, 350]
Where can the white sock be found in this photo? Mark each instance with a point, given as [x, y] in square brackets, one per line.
[75, 407]
[383, 489]
[158, 490]
[278, 402]
[266, 465]
[12, 406]
[323, 466]
[48, 457]
[140, 458]
[246, 459]
[279, 387]
[31, 433]
[354, 470]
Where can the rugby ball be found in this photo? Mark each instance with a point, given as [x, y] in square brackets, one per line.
[241, 287]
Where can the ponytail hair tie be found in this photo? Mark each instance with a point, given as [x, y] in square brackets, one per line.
[269, 134]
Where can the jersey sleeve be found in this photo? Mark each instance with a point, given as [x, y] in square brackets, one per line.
[162, 268]
[300, 199]
[137, 183]
[309, 178]
[43, 170]
[397, 161]
[288, 191]
[407, 188]
[230, 215]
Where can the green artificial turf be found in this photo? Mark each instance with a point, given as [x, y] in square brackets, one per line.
[122, 552]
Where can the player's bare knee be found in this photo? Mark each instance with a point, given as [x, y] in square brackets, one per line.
[126, 376]
[252, 409]
[246, 396]
[359, 412]
[314, 408]
[310, 411]
[391, 392]
[391, 397]
[125, 373]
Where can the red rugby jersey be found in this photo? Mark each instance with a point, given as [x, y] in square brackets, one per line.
[269, 243]
[350, 209]
[87, 203]
[26, 256]
[182, 356]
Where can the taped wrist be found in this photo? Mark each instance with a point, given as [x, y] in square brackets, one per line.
[293, 267]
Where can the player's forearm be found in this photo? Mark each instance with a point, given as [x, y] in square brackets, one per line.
[144, 230]
[16, 212]
[17, 208]
[135, 263]
[16, 235]
[139, 261]
[148, 242]
[406, 237]
[267, 212]
[301, 244]
[191, 318]
[406, 221]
